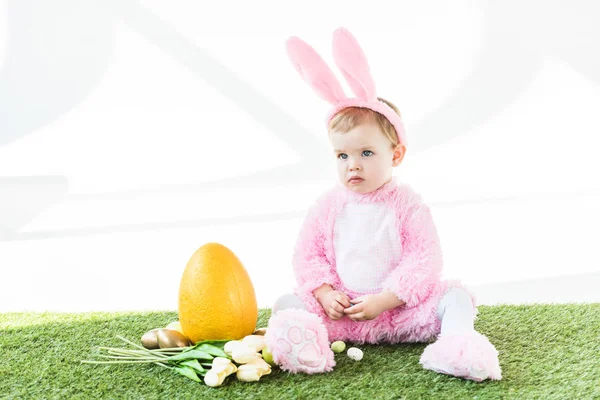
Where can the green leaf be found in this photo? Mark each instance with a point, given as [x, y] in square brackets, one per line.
[212, 350]
[194, 364]
[217, 343]
[187, 372]
[191, 354]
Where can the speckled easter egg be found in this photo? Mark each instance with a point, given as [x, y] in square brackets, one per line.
[216, 296]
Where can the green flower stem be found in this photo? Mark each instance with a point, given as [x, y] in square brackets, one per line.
[130, 358]
[189, 361]
[172, 349]
[120, 362]
[140, 347]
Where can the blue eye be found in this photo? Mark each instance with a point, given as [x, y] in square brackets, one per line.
[367, 153]
[342, 156]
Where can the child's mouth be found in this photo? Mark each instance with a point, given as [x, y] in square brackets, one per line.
[355, 180]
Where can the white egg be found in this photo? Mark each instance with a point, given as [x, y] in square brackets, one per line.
[355, 354]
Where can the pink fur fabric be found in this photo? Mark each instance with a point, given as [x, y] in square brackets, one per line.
[352, 62]
[470, 356]
[376, 106]
[420, 269]
[314, 71]
[299, 342]
[415, 280]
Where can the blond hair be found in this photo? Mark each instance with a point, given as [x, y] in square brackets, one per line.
[350, 117]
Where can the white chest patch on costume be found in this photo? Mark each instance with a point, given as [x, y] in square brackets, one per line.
[367, 246]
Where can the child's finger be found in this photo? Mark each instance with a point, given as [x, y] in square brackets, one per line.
[343, 302]
[343, 299]
[337, 307]
[354, 309]
[335, 314]
[357, 316]
[357, 300]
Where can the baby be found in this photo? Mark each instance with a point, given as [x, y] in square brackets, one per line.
[368, 259]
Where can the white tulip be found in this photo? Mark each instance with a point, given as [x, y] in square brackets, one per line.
[257, 342]
[221, 368]
[229, 346]
[242, 354]
[214, 379]
[248, 373]
[221, 361]
[220, 364]
[263, 367]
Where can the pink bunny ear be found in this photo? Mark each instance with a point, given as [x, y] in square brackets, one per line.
[314, 71]
[351, 60]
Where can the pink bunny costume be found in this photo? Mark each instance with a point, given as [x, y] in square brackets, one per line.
[361, 244]
[364, 244]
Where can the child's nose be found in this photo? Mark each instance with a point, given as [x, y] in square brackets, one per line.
[354, 165]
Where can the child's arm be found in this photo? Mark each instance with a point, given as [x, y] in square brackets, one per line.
[388, 300]
[311, 266]
[371, 306]
[420, 267]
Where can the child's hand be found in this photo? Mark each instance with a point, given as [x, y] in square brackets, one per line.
[365, 308]
[334, 302]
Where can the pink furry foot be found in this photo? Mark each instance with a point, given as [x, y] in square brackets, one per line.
[299, 342]
[469, 355]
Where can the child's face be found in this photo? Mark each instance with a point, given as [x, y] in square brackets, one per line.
[365, 157]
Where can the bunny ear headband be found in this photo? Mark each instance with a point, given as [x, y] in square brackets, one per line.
[351, 61]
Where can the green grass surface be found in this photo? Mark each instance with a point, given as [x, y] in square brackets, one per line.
[546, 352]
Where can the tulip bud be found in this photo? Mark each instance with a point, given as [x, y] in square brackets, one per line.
[257, 342]
[214, 379]
[221, 368]
[248, 373]
[242, 354]
[263, 367]
[220, 364]
[229, 346]
[220, 361]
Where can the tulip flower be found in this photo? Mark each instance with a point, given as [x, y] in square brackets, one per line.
[253, 370]
[240, 352]
[228, 348]
[243, 354]
[257, 342]
[221, 369]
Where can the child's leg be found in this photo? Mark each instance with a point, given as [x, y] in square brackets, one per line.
[297, 338]
[288, 300]
[460, 350]
[456, 311]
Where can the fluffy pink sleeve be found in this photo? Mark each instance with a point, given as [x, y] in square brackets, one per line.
[311, 265]
[418, 272]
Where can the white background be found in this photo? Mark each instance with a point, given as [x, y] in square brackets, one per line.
[133, 132]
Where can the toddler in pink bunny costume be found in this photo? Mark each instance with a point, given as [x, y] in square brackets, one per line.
[368, 258]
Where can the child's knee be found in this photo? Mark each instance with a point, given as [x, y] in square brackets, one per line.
[288, 300]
